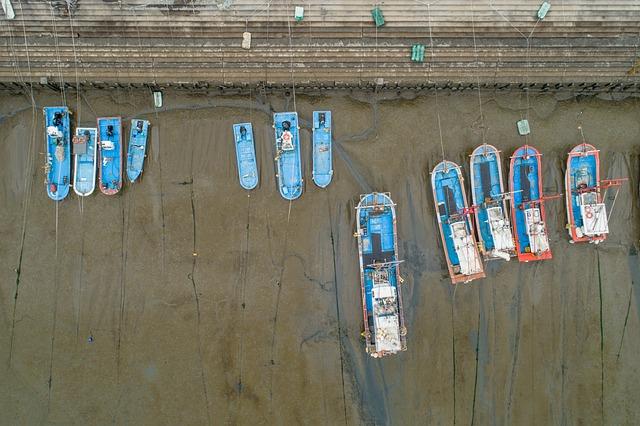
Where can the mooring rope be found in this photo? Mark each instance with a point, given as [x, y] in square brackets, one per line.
[75, 64]
[293, 83]
[477, 68]
[58, 58]
[435, 84]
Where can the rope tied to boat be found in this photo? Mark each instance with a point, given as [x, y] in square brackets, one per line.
[477, 67]
[436, 90]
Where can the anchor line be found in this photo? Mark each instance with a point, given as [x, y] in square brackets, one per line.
[58, 59]
[150, 56]
[28, 180]
[293, 84]
[436, 88]
[477, 67]
[75, 62]
[26, 49]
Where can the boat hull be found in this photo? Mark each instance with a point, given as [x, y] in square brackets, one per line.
[322, 149]
[528, 214]
[246, 155]
[455, 223]
[488, 197]
[84, 177]
[58, 148]
[137, 149]
[582, 181]
[110, 166]
[384, 330]
[288, 164]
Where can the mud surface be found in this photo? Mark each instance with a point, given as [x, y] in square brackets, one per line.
[187, 300]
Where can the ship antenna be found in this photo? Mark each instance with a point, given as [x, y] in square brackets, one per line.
[436, 88]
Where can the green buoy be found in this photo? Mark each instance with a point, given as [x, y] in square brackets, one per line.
[544, 8]
[417, 53]
[299, 13]
[523, 127]
[376, 13]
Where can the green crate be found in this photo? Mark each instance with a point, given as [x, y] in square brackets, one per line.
[417, 53]
[378, 18]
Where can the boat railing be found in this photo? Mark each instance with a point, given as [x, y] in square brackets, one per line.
[380, 265]
[485, 151]
[376, 203]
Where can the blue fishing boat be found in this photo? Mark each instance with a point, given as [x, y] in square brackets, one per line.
[111, 151]
[58, 150]
[384, 326]
[454, 221]
[527, 205]
[246, 155]
[585, 193]
[288, 164]
[85, 155]
[136, 152]
[322, 161]
[490, 204]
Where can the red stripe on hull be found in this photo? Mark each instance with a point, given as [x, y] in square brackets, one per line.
[568, 193]
[528, 257]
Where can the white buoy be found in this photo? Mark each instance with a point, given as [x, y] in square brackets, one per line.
[246, 40]
[157, 98]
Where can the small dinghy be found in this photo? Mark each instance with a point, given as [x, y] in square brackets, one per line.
[85, 155]
[584, 194]
[490, 204]
[110, 149]
[322, 162]
[246, 155]
[288, 165]
[384, 327]
[454, 221]
[57, 168]
[137, 149]
[527, 205]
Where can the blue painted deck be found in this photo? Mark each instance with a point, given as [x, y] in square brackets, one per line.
[583, 173]
[58, 176]
[487, 185]
[137, 148]
[525, 179]
[378, 242]
[246, 155]
[288, 164]
[110, 160]
[377, 235]
[84, 178]
[446, 180]
[322, 161]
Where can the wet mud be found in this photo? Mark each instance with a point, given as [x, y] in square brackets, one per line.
[188, 300]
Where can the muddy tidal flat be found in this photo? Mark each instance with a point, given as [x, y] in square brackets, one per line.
[188, 300]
